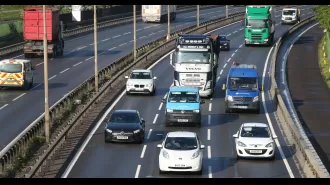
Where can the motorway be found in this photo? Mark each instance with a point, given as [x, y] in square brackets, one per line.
[77, 65]
[111, 160]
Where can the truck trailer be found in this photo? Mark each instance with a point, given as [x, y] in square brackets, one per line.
[158, 13]
[259, 25]
[33, 32]
[195, 62]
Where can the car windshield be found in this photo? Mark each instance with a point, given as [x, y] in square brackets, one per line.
[140, 75]
[124, 117]
[223, 38]
[288, 12]
[181, 143]
[11, 68]
[243, 83]
[193, 56]
[182, 97]
[261, 132]
[257, 23]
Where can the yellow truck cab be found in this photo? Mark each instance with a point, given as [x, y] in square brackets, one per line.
[16, 73]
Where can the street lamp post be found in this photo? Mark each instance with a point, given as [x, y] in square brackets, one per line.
[95, 52]
[47, 120]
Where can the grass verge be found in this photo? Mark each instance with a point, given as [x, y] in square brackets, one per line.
[324, 63]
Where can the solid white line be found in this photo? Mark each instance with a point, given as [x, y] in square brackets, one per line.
[116, 36]
[210, 107]
[39, 64]
[224, 66]
[221, 71]
[232, 55]
[155, 119]
[143, 151]
[149, 134]
[269, 120]
[112, 48]
[209, 152]
[89, 58]
[16, 57]
[209, 119]
[160, 106]
[142, 37]
[208, 134]
[3, 106]
[77, 64]
[228, 59]
[19, 96]
[35, 86]
[138, 171]
[126, 33]
[210, 171]
[64, 70]
[122, 44]
[52, 77]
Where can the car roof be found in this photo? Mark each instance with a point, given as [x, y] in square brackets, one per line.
[181, 134]
[240, 72]
[183, 89]
[125, 111]
[289, 8]
[141, 70]
[14, 60]
[255, 125]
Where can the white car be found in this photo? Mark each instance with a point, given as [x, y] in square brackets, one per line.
[255, 140]
[141, 81]
[181, 151]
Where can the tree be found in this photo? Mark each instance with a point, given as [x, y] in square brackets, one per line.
[322, 13]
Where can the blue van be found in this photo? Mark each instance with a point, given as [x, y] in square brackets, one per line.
[183, 106]
[242, 88]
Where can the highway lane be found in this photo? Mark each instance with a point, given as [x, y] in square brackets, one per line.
[219, 159]
[77, 69]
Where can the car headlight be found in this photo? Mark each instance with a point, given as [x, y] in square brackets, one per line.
[225, 44]
[241, 144]
[195, 155]
[169, 110]
[269, 145]
[130, 85]
[196, 111]
[109, 131]
[229, 98]
[148, 85]
[208, 85]
[136, 131]
[256, 99]
[165, 154]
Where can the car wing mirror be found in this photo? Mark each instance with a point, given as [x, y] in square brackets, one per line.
[235, 135]
[261, 88]
[155, 78]
[202, 101]
[202, 146]
[159, 146]
[126, 77]
[274, 137]
[33, 67]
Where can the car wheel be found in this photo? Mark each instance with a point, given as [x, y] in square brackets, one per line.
[272, 158]
[257, 111]
[127, 93]
[167, 124]
[140, 141]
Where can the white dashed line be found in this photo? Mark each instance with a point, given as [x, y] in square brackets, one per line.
[122, 44]
[210, 107]
[229, 34]
[149, 134]
[116, 36]
[137, 171]
[147, 27]
[165, 96]
[209, 119]
[178, 25]
[64, 70]
[240, 45]
[210, 171]
[208, 134]
[224, 66]
[52, 77]
[155, 119]
[209, 152]
[221, 71]
[161, 30]
[35, 86]
[241, 29]
[142, 37]
[236, 50]
[77, 64]
[105, 39]
[39, 64]
[143, 151]
[3, 106]
[228, 59]
[213, 16]
[17, 57]
[126, 33]
[131, 41]
[52, 59]
[187, 23]
[81, 48]
[235, 32]
[19, 96]
[160, 106]
[277, 24]
[210, 13]
[218, 78]
[232, 55]
[112, 48]
[152, 33]
[89, 58]
[139, 29]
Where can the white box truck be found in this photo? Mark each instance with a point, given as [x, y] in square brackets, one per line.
[158, 13]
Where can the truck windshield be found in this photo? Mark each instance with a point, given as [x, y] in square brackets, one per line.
[257, 23]
[193, 57]
[243, 83]
[288, 12]
[11, 68]
[182, 97]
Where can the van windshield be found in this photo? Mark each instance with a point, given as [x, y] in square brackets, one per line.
[288, 12]
[182, 97]
[11, 68]
[248, 83]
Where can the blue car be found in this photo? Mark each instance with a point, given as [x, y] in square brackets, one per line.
[183, 106]
[242, 88]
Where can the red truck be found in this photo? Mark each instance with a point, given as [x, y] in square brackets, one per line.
[33, 32]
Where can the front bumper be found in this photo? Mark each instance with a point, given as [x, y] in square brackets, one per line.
[224, 47]
[180, 118]
[131, 137]
[187, 165]
[243, 106]
[259, 42]
[289, 21]
[246, 152]
[134, 90]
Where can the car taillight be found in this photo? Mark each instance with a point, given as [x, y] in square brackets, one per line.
[23, 73]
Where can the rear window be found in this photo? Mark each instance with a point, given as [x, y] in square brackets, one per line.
[11, 68]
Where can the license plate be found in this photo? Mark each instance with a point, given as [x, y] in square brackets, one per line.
[122, 137]
[242, 107]
[180, 165]
[139, 89]
[256, 43]
[256, 151]
[182, 120]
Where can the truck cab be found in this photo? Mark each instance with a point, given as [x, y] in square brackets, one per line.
[183, 106]
[242, 88]
[290, 16]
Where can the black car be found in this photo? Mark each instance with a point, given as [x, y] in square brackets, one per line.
[224, 43]
[125, 126]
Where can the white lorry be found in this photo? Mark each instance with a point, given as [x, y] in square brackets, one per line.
[290, 16]
[158, 13]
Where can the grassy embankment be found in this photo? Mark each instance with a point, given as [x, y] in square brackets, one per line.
[324, 48]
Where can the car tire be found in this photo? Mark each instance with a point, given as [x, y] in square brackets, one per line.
[257, 111]
[200, 172]
[238, 157]
[167, 124]
[127, 93]
[272, 158]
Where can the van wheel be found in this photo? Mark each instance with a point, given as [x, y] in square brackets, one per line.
[26, 86]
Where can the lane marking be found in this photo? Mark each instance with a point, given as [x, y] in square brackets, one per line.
[210, 106]
[52, 59]
[209, 152]
[155, 119]
[241, 29]
[235, 32]
[224, 66]
[116, 36]
[160, 106]
[218, 78]
[17, 57]
[142, 37]
[240, 45]
[143, 151]
[165, 96]
[152, 33]
[77, 64]
[64, 70]
[131, 41]
[210, 171]
[126, 33]
[19, 96]
[236, 50]
[229, 34]
[221, 71]
[52, 77]
[112, 48]
[105, 39]
[161, 30]
[149, 134]
[35, 86]
[122, 44]
[3, 106]
[137, 171]
[81, 48]
[89, 58]
[228, 59]
[39, 64]
[208, 134]
[139, 29]
[232, 55]
[209, 119]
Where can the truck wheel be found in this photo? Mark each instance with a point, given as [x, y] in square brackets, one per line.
[246, 45]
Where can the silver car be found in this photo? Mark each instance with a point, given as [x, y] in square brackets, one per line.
[141, 81]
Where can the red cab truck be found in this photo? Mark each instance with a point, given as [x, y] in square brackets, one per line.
[33, 32]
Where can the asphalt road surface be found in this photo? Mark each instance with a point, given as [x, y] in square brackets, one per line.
[110, 160]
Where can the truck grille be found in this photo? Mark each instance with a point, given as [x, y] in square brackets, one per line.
[243, 99]
[256, 36]
[139, 86]
[185, 111]
[193, 80]
[288, 18]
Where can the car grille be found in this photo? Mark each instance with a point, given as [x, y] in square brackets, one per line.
[288, 18]
[185, 111]
[139, 86]
[256, 36]
[243, 99]
[122, 134]
[182, 117]
[187, 167]
[263, 152]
